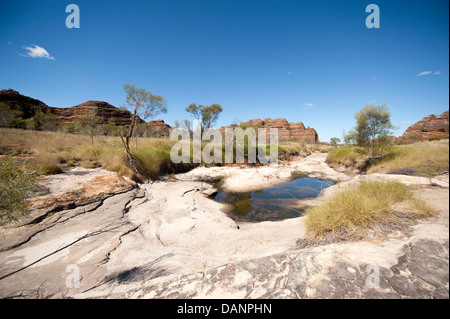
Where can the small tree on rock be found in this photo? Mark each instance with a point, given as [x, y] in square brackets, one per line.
[144, 105]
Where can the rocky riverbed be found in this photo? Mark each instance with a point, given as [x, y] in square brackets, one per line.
[94, 234]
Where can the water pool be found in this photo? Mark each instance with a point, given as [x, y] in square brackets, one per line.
[273, 203]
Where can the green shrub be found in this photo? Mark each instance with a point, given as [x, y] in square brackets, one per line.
[16, 185]
[347, 155]
[154, 160]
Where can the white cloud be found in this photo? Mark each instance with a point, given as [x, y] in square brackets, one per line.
[308, 105]
[35, 51]
[289, 73]
[372, 101]
[437, 73]
[10, 43]
[424, 73]
[407, 122]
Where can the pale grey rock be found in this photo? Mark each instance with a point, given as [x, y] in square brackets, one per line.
[167, 239]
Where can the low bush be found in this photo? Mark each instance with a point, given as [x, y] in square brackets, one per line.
[17, 183]
[154, 159]
[47, 164]
[347, 155]
[359, 207]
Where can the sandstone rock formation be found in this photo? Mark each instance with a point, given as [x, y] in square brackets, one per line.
[107, 113]
[286, 131]
[166, 239]
[158, 128]
[94, 190]
[26, 104]
[431, 126]
[29, 106]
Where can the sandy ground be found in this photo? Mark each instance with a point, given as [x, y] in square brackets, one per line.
[141, 242]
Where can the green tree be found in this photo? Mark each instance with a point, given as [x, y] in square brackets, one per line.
[335, 141]
[110, 128]
[206, 115]
[142, 130]
[144, 105]
[7, 115]
[31, 124]
[184, 124]
[90, 122]
[45, 120]
[373, 126]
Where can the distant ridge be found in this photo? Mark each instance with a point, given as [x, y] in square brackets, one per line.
[29, 106]
[107, 113]
[295, 132]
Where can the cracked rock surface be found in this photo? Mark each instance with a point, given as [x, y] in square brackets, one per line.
[313, 273]
[110, 238]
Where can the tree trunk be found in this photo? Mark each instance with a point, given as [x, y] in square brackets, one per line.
[132, 161]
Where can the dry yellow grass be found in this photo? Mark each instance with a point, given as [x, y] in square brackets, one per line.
[360, 207]
[47, 150]
[427, 158]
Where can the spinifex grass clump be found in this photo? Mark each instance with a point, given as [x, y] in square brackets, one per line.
[16, 185]
[47, 164]
[360, 207]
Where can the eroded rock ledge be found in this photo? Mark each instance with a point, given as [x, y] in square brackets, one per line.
[166, 239]
[421, 271]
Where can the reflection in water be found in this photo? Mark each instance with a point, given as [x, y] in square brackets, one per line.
[273, 203]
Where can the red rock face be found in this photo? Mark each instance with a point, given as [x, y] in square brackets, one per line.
[295, 132]
[28, 106]
[105, 113]
[155, 128]
[158, 128]
[431, 126]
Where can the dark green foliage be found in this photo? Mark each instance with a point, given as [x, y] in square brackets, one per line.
[30, 118]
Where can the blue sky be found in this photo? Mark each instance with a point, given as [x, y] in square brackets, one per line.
[313, 61]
